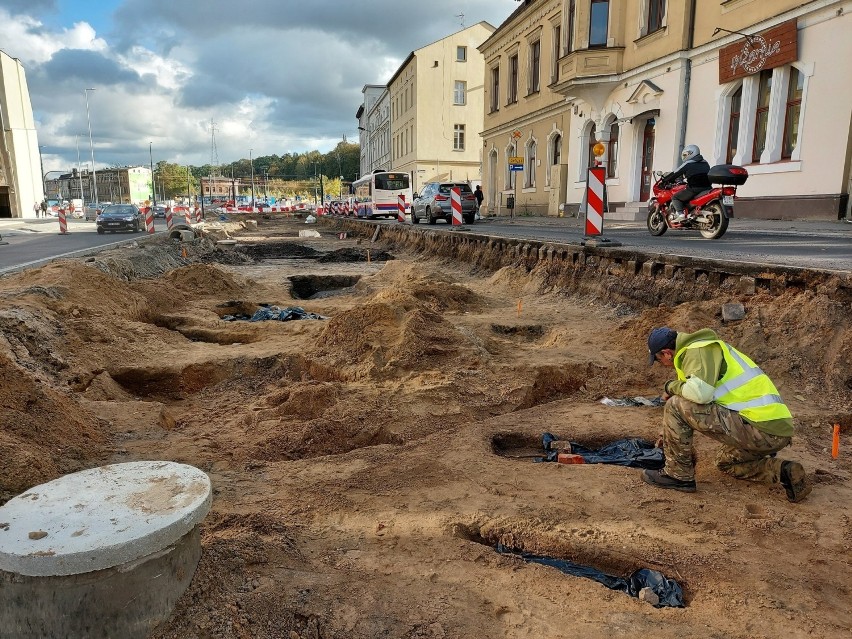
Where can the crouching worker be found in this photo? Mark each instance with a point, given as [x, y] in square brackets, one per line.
[722, 393]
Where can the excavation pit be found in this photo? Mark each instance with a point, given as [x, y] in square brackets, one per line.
[111, 549]
[311, 287]
[526, 331]
[633, 453]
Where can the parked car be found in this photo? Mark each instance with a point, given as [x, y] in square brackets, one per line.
[433, 203]
[119, 217]
[93, 209]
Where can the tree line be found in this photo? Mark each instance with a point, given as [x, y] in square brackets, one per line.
[284, 175]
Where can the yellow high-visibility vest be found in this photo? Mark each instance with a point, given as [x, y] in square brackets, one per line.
[744, 387]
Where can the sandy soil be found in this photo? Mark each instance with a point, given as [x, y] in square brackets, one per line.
[365, 466]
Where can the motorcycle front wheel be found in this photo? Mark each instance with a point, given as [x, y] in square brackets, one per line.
[656, 220]
[718, 222]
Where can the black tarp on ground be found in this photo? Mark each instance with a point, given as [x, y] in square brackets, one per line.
[635, 453]
[668, 590]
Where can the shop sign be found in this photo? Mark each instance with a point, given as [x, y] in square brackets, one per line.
[773, 48]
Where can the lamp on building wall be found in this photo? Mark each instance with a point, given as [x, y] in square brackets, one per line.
[91, 146]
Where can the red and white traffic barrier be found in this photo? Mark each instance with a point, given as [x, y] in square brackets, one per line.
[63, 223]
[455, 201]
[400, 208]
[169, 221]
[198, 217]
[595, 200]
[149, 220]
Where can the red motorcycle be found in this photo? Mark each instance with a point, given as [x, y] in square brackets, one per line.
[708, 212]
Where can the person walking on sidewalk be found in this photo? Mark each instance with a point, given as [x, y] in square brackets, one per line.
[480, 196]
[722, 393]
[36, 209]
[43, 207]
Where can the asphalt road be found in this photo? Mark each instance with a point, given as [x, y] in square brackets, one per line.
[34, 242]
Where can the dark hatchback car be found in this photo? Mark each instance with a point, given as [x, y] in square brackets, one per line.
[434, 203]
[119, 217]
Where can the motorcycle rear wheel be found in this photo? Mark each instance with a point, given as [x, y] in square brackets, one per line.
[656, 220]
[718, 224]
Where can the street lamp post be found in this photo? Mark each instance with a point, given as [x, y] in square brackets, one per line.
[251, 162]
[153, 184]
[91, 145]
[79, 174]
[43, 183]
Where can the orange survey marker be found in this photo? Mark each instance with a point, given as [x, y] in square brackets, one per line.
[520, 306]
[570, 458]
[835, 442]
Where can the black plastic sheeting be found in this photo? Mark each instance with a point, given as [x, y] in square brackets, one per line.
[668, 590]
[275, 313]
[635, 453]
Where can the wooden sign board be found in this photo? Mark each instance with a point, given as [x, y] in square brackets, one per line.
[773, 48]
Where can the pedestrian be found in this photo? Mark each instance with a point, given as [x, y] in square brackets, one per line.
[36, 209]
[43, 208]
[480, 196]
[722, 393]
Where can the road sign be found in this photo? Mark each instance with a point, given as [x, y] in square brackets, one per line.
[516, 163]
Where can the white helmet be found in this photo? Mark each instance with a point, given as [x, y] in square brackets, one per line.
[689, 152]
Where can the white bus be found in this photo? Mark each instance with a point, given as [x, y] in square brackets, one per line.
[377, 193]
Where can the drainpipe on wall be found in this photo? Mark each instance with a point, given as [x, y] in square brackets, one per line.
[687, 79]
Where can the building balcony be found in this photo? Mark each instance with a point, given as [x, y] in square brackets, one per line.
[585, 66]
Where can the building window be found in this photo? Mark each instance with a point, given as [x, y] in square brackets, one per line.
[792, 111]
[535, 67]
[458, 137]
[495, 89]
[461, 54]
[656, 13]
[598, 23]
[554, 155]
[557, 44]
[513, 79]
[511, 151]
[612, 151]
[569, 25]
[761, 118]
[734, 125]
[529, 163]
[459, 92]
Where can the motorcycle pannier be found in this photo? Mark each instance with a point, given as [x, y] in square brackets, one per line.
[728, 174]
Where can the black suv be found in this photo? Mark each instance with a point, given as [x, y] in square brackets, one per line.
[433, 203]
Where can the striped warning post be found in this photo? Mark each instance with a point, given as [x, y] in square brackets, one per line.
[455, 200]
[595, 200]
[188, 217]
[400, 208]
[198, 217]
[149, 220]
[169, 221]
[63, 223]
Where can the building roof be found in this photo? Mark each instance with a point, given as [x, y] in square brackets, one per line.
[525, 4]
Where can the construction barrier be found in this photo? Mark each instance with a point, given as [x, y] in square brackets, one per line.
[63, 223]
[595, 200]
[149, 220]
[400, 208]
[169, 221]
[198, 217]
[455, 200]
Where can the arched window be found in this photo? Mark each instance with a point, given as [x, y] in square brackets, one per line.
[734, 125]
[612, 151]
[529, 164]
[554, 154]
[511, 151]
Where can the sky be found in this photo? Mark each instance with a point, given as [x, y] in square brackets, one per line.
[275, 76]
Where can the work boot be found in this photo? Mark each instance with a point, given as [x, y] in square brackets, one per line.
[659, 479]
[794, 481]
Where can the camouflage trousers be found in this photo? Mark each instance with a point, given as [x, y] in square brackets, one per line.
[745, 452]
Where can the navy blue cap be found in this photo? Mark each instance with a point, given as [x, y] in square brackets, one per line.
[659, 339]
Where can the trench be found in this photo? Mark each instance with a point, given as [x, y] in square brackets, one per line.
[311, 287]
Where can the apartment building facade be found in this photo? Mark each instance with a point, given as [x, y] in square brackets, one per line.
[373, 117]
[436, 109]
[760, 83]
[125, 184]
[21, 183]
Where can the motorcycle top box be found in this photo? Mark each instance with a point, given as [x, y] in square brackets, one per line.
[728, 174]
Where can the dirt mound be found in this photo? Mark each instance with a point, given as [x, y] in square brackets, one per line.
[43, 433]
[204, 279]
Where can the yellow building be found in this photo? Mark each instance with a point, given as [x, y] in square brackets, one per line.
[761, 83]
[436, 106]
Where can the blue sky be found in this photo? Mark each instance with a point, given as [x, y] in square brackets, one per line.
[276, 76]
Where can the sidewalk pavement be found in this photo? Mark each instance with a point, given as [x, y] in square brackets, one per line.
[843, 226]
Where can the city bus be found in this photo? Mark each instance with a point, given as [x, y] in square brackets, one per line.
[376, 194]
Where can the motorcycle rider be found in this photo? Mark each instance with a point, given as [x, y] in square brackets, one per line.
[695, 169]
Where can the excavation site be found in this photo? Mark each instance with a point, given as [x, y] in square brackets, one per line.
[374, 408]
